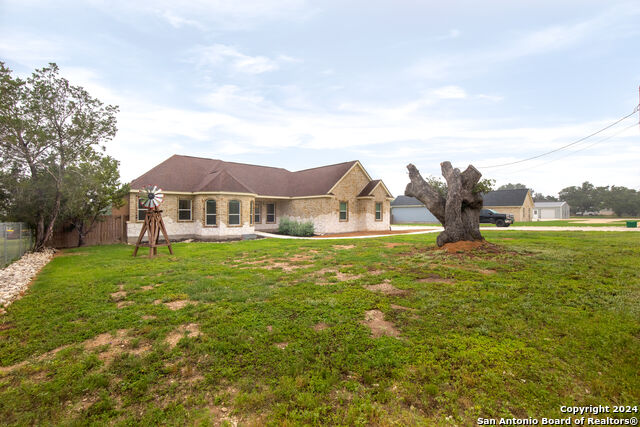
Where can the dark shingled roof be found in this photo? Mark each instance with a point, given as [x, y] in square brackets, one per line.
[505, 197]
[197, 174]
[366, 191]
[406, 201]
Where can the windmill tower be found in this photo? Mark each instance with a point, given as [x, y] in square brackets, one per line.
[151, 197]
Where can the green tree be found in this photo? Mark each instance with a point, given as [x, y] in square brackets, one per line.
[90, 190]
[46, 127]
[623, 200]
[586, 197]
[517, 186]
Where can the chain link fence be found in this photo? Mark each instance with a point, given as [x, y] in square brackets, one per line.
[16, 238]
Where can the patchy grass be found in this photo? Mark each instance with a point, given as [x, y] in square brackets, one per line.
[397, 334]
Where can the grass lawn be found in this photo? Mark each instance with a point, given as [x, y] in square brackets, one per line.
[553, 223]
[351, 332]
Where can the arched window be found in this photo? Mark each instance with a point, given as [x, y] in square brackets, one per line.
[234, 212]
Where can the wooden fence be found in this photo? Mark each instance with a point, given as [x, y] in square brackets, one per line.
[112, 229]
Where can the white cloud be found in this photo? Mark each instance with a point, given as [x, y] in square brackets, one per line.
[540, 42]
[453, 33]
[30, 50]
[219, 54]
[450, 92]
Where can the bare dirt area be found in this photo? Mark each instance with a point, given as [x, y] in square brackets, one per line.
[386, 288]
[372, 233]
[190, 330]
[175, 305]
[435, 279]
[374, 320]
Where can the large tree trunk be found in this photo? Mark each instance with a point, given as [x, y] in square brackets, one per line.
[459, 213]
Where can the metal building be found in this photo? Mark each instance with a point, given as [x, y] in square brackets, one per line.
[409, 210]
[550, 210]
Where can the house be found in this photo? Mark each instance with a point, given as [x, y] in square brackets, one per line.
[518, 203]
[407, 210]
[550, 210]
[210, 199]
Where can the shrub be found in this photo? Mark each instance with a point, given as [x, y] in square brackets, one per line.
[295, 228]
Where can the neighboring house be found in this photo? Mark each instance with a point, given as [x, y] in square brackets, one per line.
[550, 210]
[211, 199]
[407, 210]
[517, 202]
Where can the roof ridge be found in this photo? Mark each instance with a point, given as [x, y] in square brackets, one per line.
[326, 166]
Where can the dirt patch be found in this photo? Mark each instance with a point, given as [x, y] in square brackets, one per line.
[123, 304]
[281, 345]
[486, 271]
[115, 345]
[190, 330]
[393, 245]
[320, 326]
[462, 246]
[175, 305]
[340, 247]
[148, 317]
[375, 272]
[269, 328]
[147, 287]
[346, 276]
[374, 320]
[386, 288]
[118, 296]
[435, 279]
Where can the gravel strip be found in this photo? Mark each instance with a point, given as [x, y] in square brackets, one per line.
[15, 278]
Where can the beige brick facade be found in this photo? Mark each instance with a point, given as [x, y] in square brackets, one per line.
[323, 211]
[520, 213]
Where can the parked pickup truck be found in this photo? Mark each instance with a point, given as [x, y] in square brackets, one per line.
[489, 216]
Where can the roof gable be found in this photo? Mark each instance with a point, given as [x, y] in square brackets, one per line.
[505, 197]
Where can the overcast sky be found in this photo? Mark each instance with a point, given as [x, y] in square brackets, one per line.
[299, 84]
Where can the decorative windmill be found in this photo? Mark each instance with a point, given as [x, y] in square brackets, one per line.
[151, 197]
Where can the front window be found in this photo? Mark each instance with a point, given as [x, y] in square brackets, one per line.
[271, 213]
[142, 211]
[184, 210]
[234, 212]
[344, 212]
[257, 213]
[251, 208]
[211, 213]
[378, 211]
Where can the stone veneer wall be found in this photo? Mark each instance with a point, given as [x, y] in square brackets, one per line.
[195, 228]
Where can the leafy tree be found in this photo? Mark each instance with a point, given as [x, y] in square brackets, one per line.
[623, 200]
[517, 186]
[539, 197]
[91, 188]
[582, 198]
[46, 127]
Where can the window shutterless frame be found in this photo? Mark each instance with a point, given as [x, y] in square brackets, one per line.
[234, 213]
[271, 213]
[257, 213]
[344, 211]
[378, 211]
[141, 212]
[211, 213]
[184, 209]
[251, 208]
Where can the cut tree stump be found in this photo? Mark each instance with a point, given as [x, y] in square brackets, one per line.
[459, 212]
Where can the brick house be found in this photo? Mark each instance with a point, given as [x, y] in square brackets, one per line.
[210, 199]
